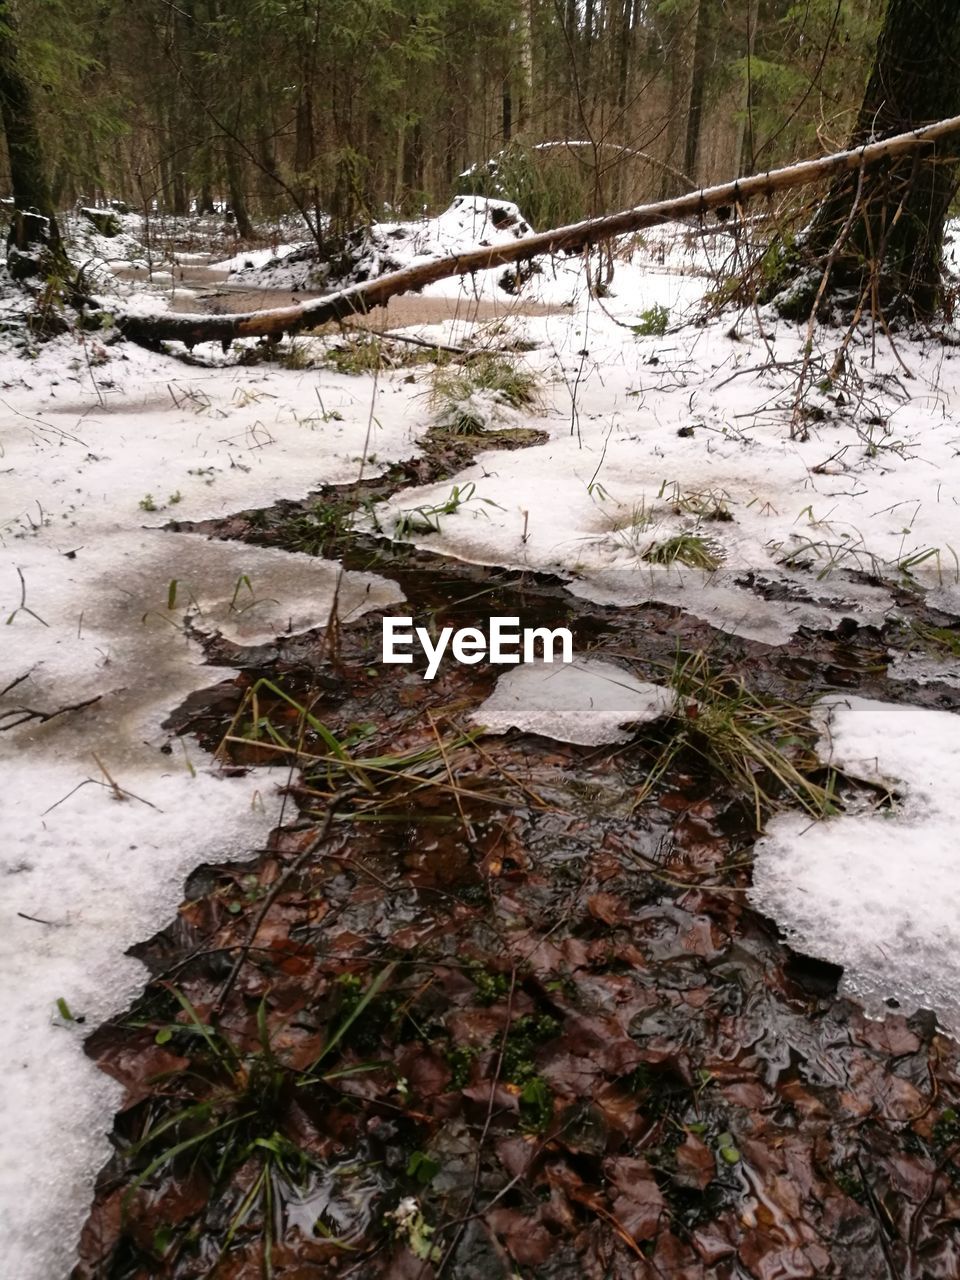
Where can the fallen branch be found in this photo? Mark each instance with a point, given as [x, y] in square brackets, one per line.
[17, 716]
[361, 298]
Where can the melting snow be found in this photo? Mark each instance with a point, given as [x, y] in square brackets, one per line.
[688, 435]
[586, 701]
[86, 875]
[649, 437]
[877, 892]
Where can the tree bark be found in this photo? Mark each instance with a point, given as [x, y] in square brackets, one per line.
[683, 44]
[895, 243]
[361, 298]
[704, 49]
[238, 201]
[34, 241]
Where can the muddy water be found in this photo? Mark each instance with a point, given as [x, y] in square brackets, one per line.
[199, 288]
[583, 1028]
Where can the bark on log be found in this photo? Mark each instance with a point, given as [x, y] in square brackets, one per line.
[361, 298]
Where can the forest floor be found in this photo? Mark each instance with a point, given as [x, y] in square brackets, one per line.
[657, 984]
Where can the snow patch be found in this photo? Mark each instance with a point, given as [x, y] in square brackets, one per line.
[877, 892]
[586, 702]
[470, 222]
[95, 617]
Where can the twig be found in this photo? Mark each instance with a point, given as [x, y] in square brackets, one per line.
[811, 322]
[114, 786]
[19, 680]
[22, 607]
[107, 786]
[406, 337]
[28, 713]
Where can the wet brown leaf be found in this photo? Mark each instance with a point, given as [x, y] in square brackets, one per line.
[526, 1238]
[637, 1201]
[608, 908]
[696, 1166]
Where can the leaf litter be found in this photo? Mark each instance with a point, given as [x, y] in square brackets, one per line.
[504, 1007]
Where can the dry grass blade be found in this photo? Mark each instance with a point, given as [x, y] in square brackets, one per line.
[763, 748]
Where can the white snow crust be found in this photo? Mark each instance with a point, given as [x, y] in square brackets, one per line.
[877, 892]
[587, 701]
[85, 875]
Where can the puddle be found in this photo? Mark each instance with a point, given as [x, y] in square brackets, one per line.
[650, 1029]
[195, 287]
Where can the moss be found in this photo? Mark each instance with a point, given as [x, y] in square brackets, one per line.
[526, 1036]
[491, 987]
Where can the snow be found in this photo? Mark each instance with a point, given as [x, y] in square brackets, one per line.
[876, 892]
[87, 874]
[251, 259]
[94, 875]
[586, 701]
[97, 253]
[390, 246]
[650, 436]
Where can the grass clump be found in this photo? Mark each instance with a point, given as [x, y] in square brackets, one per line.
[631, 530]
[943, 641]
[372, 353]
[763, 749]
[226, 1118]
[703, 504]
[653, 322]
[689, 549]
[464, 399]
[357, 356]
[426, 519]
[270, 724]
[297, 356]
[311, 530]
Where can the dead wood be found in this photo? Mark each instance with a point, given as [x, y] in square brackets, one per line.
[361, 298]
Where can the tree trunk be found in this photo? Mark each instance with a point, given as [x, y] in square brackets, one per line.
[704, 55]
[894, 245]
[361, 298]
[525, 84]
[683, 45]
[238, 202]
[34, 245]
[624, 51]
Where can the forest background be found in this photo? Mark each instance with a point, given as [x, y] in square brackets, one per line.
[345, 109]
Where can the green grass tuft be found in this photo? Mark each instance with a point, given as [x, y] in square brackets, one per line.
[457, 394]
[684, 548]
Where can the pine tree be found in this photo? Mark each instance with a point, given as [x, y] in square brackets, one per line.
[34, 240]
[889, 253]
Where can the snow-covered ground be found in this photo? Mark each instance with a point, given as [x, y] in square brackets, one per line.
[689, 433]
[87, 874]
[676, 430]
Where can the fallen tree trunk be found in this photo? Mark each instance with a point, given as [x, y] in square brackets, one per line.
[361, 298]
